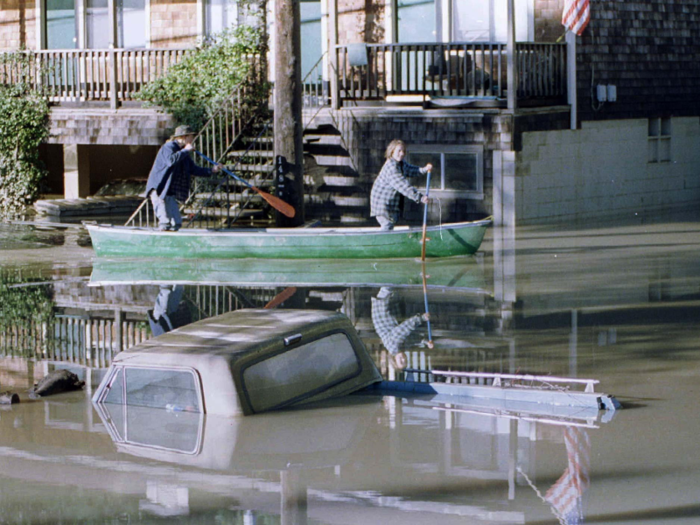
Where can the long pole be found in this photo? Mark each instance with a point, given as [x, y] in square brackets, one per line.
[425, 276]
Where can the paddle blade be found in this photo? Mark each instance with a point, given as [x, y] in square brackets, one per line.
[281, 297]
[277, 203]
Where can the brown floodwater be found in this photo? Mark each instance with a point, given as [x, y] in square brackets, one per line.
[617, 301]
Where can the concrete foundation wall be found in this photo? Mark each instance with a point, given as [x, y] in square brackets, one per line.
[603, 170]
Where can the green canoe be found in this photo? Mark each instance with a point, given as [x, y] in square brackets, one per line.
[461, 272]
[290, 243]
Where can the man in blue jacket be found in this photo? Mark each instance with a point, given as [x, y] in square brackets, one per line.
[169, 180]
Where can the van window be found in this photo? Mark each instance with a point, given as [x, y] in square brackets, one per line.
[300, 372]
[156, 388]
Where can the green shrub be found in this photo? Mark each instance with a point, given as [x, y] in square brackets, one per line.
[24, 114]
[194, 88]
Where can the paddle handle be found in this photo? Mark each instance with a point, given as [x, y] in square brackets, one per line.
[425, 218]
[224, 169]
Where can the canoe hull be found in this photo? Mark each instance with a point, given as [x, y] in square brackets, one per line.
[312, 243]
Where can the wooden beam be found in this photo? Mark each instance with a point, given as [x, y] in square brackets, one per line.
[288, 115]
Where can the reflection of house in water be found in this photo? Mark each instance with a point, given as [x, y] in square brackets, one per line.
[89, 324]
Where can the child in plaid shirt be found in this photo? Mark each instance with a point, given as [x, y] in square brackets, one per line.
[392, 181]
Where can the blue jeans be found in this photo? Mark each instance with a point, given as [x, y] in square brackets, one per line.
[385, 222]
[167, 211]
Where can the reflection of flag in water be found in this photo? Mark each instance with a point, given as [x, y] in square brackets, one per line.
[565, 496]
[576, 15]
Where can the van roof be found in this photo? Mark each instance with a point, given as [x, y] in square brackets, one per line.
[235, 333]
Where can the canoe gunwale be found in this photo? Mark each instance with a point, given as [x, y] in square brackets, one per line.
[293, 232]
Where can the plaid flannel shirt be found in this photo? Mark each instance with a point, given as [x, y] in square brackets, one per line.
[392, 181]
[388, 328]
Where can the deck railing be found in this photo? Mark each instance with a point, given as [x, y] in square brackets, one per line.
[81, 75]
[463, 69]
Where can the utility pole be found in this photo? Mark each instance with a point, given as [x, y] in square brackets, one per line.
[288, 117]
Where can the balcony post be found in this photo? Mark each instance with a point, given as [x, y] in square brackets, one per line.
[512, 59]
[113, 77]
[113, 44]
[333, 52]
[40, 6]
[571, 93]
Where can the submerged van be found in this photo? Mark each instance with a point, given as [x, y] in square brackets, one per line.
[242, 363]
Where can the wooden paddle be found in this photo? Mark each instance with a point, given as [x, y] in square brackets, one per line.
[281, 297]
[425, 276]
[275, 202]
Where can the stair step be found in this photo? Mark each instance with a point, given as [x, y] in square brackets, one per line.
[334, 179]
[221, 212]
[357, 201]
[259, 153]
[221, 197]
[257, 168]
[323, 129]
[267, 140]
[316, 139]
[334, 161]
[326, 150]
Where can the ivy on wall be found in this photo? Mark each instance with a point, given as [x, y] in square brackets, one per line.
[24, 114]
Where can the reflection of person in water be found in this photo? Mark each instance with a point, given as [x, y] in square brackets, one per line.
[393, 334]
[167, 313]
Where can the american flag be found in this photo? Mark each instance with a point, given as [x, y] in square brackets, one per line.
[566, 495]
[576, 15]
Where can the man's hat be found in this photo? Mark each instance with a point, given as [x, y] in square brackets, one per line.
[182, 131]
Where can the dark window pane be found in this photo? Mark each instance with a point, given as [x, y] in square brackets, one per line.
[421, 159]
[461, 173]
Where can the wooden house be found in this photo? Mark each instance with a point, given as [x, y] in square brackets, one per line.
[523, 120]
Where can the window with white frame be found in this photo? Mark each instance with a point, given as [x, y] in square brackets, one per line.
[417, 21]
[471, 20]
[487, 20]
[456, 169]
[224, 14]
[61, 24]
[659, 141]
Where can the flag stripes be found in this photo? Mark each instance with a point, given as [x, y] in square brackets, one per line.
[576, 15]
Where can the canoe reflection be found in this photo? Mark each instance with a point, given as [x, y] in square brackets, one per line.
[463, 273]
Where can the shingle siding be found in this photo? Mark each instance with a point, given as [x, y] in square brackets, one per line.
[649, 50]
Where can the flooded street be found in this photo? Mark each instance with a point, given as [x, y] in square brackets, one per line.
[618, 302]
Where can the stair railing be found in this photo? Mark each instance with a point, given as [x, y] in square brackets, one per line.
[232, 197]
[225, 128]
